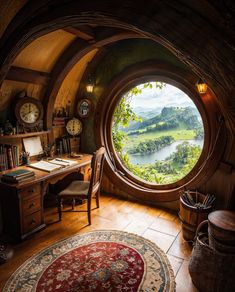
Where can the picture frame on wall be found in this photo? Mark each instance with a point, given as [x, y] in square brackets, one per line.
[84, 108]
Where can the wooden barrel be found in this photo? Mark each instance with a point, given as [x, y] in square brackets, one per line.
[221, 230]
[191, 216]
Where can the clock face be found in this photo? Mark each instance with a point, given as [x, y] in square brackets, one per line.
[74, 127]
[29, 112]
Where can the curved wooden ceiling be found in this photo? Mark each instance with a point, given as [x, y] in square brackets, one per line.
[199, 33]
[43, 53]
[48, 67]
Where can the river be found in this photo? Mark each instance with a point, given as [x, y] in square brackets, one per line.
[161, 154]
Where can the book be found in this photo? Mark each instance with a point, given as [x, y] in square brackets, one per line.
[65, 145]
[10, 157]
[27, 179]
[45, 166]
[58, 121]
[5, 158]
[18, 173]
[18, 179]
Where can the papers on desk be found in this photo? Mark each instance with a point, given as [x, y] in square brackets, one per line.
[44, 165]
[63, 162]
[52, 165]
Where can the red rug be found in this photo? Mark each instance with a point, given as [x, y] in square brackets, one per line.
[96, 261]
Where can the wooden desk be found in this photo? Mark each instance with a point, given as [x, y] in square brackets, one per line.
[22, 204]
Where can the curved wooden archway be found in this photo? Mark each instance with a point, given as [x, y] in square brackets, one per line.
[207, 163]
[77, 49]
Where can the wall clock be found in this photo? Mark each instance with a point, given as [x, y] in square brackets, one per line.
[29, 111]
[74, 127]
[84, 108]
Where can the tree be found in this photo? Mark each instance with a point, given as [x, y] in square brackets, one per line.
[124, 114]
[199, 133]
[174, 167]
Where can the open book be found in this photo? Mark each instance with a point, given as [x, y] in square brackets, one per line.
[46, 166]
[52, 165]
[63, 162]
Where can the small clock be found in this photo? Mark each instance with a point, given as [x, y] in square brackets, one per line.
[74, 127]
[84, 108]
[29, 111]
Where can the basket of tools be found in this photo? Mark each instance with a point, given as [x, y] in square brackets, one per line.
[194, 208]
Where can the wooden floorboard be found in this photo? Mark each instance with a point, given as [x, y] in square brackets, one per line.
[160, 226]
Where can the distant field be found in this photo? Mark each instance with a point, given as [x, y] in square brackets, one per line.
[177, 134]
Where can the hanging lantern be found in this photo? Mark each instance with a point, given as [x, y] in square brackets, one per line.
[201, 86]
[90, 85]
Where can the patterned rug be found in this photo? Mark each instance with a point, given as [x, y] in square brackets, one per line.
[105, 260]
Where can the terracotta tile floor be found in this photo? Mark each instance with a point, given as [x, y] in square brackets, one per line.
[158, 225]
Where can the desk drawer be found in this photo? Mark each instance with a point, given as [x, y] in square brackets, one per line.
[31, 222]
[31, 205]
[30, 191]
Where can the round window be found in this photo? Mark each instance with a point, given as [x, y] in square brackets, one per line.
[157, 132]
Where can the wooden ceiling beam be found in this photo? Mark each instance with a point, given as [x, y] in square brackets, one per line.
[83, 32]
[28, 75]
[101, 42]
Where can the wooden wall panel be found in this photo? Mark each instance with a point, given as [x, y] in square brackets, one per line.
[43, 52]
[8, 91]
[58, 132]
[221, 185]
[71, 83]
[109, 188]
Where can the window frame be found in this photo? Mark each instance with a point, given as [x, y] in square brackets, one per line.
[114, 169]
[119, 164]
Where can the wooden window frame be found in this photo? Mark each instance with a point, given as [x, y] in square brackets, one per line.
[208, 109]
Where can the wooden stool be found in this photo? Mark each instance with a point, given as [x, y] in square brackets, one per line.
[221, 230]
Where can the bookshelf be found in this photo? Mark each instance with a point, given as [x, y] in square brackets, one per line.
[58, 126]
[24, 135]
[11, 148]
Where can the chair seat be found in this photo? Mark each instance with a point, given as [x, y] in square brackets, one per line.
[85, 190]
[76, 188]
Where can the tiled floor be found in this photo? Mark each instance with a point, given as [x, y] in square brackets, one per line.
[158, 225]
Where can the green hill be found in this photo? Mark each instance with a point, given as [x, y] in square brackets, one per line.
[169, 118]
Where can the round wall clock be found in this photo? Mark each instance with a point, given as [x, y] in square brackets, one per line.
[74, 127]
[29, 111]
[84, 108]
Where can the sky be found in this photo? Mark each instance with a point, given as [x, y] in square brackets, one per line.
[159, 98]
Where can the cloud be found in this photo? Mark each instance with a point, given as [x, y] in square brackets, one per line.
[166, 97]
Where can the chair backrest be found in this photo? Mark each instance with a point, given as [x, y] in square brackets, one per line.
[97, 164]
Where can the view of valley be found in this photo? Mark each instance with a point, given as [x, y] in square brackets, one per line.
[158, 132]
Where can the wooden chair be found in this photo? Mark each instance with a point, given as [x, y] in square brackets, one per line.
[85, 189]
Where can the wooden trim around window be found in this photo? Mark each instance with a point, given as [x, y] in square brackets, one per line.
[214, 141]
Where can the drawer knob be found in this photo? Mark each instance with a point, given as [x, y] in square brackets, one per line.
[31, 205]
[33, 221]
[31, 191]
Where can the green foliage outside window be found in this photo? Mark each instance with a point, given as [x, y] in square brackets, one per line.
[174, 167]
